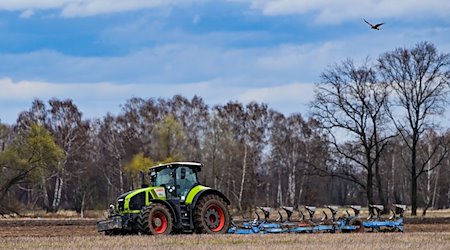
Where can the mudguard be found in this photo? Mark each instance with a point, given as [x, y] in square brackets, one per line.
[200, 191]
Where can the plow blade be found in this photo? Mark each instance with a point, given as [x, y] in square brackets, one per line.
[393, 224]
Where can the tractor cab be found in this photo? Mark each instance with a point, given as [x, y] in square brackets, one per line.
[174, 201]
[177, 178]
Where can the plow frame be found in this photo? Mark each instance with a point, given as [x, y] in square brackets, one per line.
[344, 224]
[393, 224]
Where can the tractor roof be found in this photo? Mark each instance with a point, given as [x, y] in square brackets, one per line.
[170, 164]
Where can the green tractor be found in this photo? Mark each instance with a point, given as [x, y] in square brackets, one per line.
[175, 202]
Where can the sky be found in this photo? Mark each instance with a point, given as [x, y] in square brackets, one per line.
[101, 53]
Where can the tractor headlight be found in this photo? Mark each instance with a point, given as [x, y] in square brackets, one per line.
[112, 209]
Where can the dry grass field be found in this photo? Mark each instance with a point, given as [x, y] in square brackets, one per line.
[431, 232]
[396, 241]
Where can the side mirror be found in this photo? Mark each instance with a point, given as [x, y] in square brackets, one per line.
[143, 184]
[183, 173]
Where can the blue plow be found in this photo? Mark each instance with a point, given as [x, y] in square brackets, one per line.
[327, 224]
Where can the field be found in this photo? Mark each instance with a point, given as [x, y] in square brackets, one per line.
[72, 233]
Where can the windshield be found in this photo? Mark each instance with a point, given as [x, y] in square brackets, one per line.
[164, 177]
[186, 179]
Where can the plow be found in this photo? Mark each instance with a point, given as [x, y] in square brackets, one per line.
[329, 222]
[176, 202]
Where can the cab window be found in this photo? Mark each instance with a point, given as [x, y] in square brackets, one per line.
[186, 179]
[164, 177]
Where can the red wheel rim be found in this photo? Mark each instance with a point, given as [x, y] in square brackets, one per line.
[213, 219]
[159, 222]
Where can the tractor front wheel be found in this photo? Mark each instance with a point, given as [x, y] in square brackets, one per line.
[155, 220]
[211, 215]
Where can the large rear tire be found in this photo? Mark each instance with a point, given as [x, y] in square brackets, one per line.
[211, 215]
[155, 220]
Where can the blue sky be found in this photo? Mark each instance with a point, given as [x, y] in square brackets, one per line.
[102, 52]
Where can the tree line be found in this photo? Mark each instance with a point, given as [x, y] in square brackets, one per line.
[372, 137]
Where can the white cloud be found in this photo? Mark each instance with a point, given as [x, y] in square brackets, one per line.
[216, 90]
[188, 64]
[305, 57]
[166, 64]
[289, 98]
[28, 90]
[325, 11]
[194, 61]
[79, 8]
[336, 11]
[96, 99]
[294, 92]
[26, 14]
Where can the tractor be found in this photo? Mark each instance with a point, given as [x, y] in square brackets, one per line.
[175, 202]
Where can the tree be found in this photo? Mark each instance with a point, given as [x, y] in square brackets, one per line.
[168, 139]
[64, 121]
[193, 116]
[292, 145]
[244, 133]
[32, 156]
[420, 79]
[139, 163]
[71, 133]
[111, 152]
[222, 151]
[349, 101]
[4, 136]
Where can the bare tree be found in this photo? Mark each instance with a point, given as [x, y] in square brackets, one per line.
[420, 79]
[244, 130]
[111, 148]
[349, 102]
[193, 116]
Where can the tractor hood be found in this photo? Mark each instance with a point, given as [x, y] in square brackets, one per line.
[133, 201]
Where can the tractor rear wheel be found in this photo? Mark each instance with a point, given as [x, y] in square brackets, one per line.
[358, 223]
[211, 215]
[155, 220]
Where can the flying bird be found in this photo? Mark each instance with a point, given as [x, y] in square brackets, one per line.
[375, 27]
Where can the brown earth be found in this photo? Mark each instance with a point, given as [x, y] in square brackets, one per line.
[81, 234]
[47, 227]
[86, 227]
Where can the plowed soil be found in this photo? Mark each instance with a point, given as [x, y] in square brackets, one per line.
[47, 227]
[86, 227]
[433, 233]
